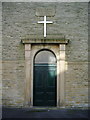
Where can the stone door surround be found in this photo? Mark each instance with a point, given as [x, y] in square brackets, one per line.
[31, 40]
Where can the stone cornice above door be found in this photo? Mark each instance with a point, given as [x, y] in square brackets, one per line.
[50, 39]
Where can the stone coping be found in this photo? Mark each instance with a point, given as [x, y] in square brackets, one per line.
[50, 39]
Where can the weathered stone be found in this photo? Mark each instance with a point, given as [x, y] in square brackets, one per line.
[19, 22]
[54, 39]
[45, 11]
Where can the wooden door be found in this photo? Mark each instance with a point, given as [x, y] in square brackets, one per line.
[44, 85]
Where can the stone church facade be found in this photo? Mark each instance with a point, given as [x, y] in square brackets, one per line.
[49, 70]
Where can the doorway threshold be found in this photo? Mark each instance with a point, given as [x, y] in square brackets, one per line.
[44, 107]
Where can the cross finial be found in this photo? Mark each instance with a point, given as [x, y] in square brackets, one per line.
[45, 22]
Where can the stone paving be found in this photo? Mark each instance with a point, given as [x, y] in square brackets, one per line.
[44, 113]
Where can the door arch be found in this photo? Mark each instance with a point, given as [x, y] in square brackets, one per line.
[45, 79]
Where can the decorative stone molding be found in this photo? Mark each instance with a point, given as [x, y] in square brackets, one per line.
[51, 39]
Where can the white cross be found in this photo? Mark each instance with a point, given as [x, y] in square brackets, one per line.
[45, 22]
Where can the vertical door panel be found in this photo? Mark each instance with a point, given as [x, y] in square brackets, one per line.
[44, 85]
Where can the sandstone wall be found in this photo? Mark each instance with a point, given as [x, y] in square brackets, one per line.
[18, 20]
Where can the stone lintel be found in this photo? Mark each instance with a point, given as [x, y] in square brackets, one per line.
[50, 39]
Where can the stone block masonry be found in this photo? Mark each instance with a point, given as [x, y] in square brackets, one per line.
[19, 19]
[0, 57]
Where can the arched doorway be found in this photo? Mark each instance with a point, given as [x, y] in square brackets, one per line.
[45, 79]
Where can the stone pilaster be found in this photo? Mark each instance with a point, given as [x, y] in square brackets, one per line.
[28, 74]
[62, 72]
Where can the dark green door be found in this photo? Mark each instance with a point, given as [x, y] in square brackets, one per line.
[44, 85]
[44, 89]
